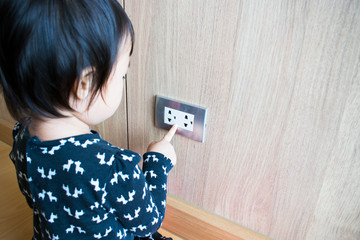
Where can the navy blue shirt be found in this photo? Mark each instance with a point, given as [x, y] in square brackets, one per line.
[82, 187]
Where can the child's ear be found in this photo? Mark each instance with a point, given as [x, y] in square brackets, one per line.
[84, 84]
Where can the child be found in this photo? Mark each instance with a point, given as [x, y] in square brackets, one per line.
[62, 65]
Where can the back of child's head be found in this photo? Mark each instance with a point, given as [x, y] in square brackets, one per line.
[46, 44]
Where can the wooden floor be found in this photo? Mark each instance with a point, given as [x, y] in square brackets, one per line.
[15, 215]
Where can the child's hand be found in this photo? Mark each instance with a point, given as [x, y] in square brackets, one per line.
[164, 146]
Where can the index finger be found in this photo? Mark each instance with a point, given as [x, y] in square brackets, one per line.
[170, 134]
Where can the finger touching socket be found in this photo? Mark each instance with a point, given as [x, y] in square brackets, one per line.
[181, 119]
[190, 119]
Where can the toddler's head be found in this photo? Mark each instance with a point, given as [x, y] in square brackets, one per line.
[47, 45]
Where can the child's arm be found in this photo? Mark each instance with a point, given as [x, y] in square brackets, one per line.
[141, 203]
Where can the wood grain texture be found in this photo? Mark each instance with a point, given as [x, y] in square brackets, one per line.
[281, 81]
[169, 234]
[15, 214]
[194, 223]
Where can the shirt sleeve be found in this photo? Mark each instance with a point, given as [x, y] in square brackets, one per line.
[137, 198]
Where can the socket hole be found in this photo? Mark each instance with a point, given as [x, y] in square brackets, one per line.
[169, 111]
[169, 119]
[186, 117]
[174, 117]
[185, 124]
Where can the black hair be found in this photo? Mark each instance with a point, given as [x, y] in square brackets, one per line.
[46, 44]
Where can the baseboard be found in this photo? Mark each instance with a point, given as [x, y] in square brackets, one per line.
[193, 223]
[182, 219]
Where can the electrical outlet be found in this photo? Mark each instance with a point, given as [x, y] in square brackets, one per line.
[182, 119]
[191, 119]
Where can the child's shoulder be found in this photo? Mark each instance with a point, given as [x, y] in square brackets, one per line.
[105, 148]
[90, 144]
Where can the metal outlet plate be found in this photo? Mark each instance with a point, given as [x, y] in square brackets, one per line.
[191, 119]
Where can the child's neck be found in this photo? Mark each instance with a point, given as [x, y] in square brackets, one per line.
[47, 129]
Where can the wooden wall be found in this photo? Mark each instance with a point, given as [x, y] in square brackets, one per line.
[281, 80]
